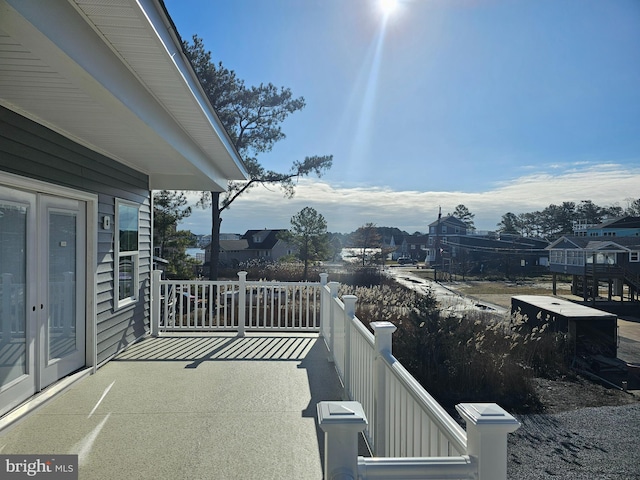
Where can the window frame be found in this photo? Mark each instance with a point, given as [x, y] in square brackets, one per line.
[119, 255]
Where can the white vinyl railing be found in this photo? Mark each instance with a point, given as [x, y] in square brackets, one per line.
[234, 305]
[410, 434]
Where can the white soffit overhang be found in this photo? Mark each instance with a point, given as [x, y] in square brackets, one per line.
[111, 75]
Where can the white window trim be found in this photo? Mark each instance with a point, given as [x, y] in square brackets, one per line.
[634, 256]
[117, 254]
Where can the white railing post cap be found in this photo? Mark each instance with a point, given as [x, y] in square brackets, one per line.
[382, 326]
[341, 422]
[333, 415]
[488, 415]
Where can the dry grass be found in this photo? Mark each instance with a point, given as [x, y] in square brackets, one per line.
[459, 359]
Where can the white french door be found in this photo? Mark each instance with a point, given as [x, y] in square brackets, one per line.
[61, 319]
[42, 286]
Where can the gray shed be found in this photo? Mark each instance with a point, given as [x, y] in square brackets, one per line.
[590, 330]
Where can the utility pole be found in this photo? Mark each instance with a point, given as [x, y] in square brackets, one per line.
[438, 254]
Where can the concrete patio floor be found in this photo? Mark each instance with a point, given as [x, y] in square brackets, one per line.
[192, 407]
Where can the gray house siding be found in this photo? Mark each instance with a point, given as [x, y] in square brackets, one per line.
[31, 150]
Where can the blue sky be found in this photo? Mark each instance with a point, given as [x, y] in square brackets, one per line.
[500, 105]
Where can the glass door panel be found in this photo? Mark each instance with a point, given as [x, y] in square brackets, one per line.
[13, 272]
[17, 329]
[62, 322]
[62, 284]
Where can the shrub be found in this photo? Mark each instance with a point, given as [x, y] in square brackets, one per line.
[472, 358]
[360, 277]
[280, 272]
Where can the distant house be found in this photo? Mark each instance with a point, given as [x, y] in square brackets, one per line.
[605, 253]
[451, 247]
[507, 254]
[448, 225]
[412, 246]
[617, 227]
[437, 238]
[264, 245]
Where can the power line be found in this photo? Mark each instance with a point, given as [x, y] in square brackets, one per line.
[514, 251]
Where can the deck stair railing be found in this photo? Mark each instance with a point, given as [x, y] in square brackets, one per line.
[605, 270]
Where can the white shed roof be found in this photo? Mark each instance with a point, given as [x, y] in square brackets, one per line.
[563, 307]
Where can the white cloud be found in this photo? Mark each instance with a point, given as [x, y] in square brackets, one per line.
[347, 208]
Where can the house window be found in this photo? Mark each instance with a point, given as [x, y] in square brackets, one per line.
[556, 256]
[575, 257]
[444, 229]
[127, 253]
[634, 256]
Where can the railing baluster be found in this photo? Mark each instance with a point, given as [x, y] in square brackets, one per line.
[300, 290]
[307, 316]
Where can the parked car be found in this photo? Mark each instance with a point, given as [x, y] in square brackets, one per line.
[406, 261]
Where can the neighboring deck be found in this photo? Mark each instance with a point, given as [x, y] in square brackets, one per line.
[192, 406]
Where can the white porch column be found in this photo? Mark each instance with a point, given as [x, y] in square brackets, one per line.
[349, 314]
[156, 298]
[487, 428]
[242, 303]
[383, 347]
[341, 423]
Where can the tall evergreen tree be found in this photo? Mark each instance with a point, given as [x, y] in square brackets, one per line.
[365, 238]
[252, 116]
[510, 223]
[169, 208]
[309, 235]
[462, 213]
[633, 207]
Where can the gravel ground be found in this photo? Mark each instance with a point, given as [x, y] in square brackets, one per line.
[589, 443]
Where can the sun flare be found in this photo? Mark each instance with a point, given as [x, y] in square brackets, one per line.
[388, 6]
